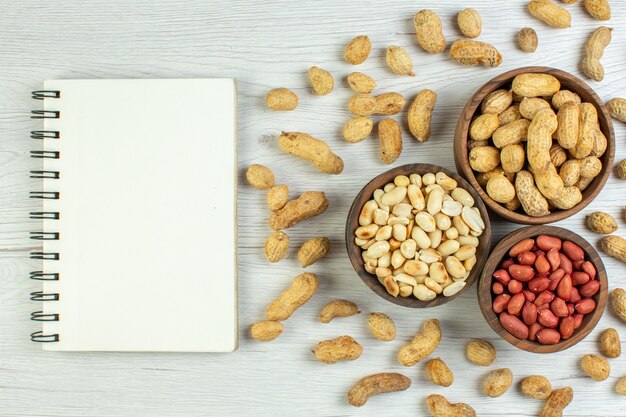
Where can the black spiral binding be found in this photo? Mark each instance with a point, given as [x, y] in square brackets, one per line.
[45, 175]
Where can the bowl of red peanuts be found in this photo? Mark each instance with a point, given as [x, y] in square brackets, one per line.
[543, 288]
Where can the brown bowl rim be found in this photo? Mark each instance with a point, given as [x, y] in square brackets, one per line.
[485, 297]
[462, 158]
[354, 253]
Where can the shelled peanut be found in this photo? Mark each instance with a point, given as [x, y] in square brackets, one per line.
[419, 234]
[544, 288]
[535, 147]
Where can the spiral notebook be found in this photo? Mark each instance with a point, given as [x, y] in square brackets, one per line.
[138, 215]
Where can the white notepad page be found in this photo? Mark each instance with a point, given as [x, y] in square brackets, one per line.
[147, 215]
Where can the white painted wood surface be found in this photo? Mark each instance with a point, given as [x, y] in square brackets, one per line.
[269, 44]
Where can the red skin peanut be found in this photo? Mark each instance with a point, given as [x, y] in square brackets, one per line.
[553, 258]
[523, 273]
[529, 313]
[555, 278]
[500, 302]
[521, 246]
[575, 297]
[566, 264]
[585, 306]
[564, 289]
[514, 326]
[546, 243]
[538, 284]
[530, 296]
[589, 289]
[590, 269]
[573, 251]
[542, 266]
[515, 286]
[526, 258]
[506, 263]
[547, 318]
[497, 288]
[578, 320]
[548, 337]
[515, 304]
[559, 307]
[533, 329]
[566, 327]
[570, 309]
[544, 297]
[580, 278]
[578, 265]
[502, 275]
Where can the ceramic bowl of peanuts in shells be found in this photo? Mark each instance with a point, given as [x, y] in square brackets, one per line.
[417, 235]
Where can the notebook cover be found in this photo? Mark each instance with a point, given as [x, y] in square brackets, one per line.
[147, 215]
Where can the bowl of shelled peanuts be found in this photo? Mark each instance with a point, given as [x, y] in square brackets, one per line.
[417, 235]
[536, 143]
[543, 289]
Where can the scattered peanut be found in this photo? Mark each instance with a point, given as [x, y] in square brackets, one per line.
[357, 50]
[527, 40]
[277, 197]
[598, 9]
[614, 246]
[321, 81]
[375, 384]
[365, 105]
[309, 204]
[480, 352]
[468, 52]
[621, 169]
[594, 49]
[276, 246]
[357, 129]
[438, 372]
[470, 23]
[620, 387]
[618, 302]
[497, 382]
[549, 13]
[420, 113]
[429, 32]
[266, 330]
[439, 406]
[311, 149]
[617, 108]
[596, 367]
[339, 349]
[361, 83]
[610, 345]
[558, 400]
[601, 222]
[536, 386]
[381, 326]
[299, 292]
[399, 61]
[313, 250]
[338, 308]
[422, 345]
[282, 99]
[390, 138]
[260, 177]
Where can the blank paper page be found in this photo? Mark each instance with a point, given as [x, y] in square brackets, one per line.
[147, 215]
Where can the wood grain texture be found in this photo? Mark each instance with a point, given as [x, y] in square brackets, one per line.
[501, 250]
[568, 82]
[354, 251]
[265, 45]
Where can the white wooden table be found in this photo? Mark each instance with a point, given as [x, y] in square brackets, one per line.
[270, 44]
